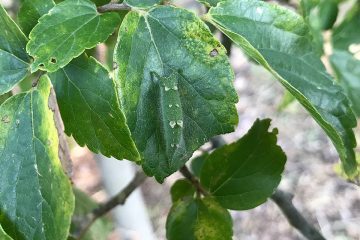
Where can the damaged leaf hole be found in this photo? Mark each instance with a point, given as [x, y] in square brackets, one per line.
[53, 60]
[214, 53]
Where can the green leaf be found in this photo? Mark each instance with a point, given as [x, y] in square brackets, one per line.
[36, 198]
[3, 235]
[4, 97]
[180, 189]
[197, 164]
[310, 12]
[90, 108]
[244, 174]
[175, 86]
[286, 100]
[210, 3]
[328, 12]
[279, 39]
[142, 3]
[347, 70]
[100, 229]
[198, 219]
[30, 11]
[13, 58]
[66, 31]
[347, 34]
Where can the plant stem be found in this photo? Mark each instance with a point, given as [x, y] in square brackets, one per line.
[284, 201]
[195, 182]
[118, 199]
[111, 7]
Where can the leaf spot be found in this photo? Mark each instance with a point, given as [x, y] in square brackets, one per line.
[172, 124]
[5, 119]
[180, 123]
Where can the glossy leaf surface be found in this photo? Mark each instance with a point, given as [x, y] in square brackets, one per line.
[90, 109]
[36, 198]
[175, 86]
[279, 39]
[244, 174]
[66, 31]
[198, 219]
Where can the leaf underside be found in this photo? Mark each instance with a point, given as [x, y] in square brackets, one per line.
[36, 199]
[279, 39]
[175, 85]
[90, 109]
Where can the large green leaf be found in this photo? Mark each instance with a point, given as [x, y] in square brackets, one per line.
[198, 219]
[175, 86]
[100, 229]
[36, 199]
[30, 11]
[66, 31]
[347, 70]
[89, 106]
[279, 40]
[13, 57]
[244, 174]
[3, 235]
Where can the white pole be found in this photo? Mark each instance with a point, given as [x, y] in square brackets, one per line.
[132, 218]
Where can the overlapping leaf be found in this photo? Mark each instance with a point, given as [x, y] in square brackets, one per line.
[244, 174]
[210, 3]
[142, 3]
[180, 189]
[175, 86]
[3, 235]
[279, 40]
[14, 61]
[198, 219]
[90, 108]
[66, 31]
[36, 199]
[30, 11]
[347, 70]
[346, 36]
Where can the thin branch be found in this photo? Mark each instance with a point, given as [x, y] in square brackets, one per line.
[112, 7]
[118, 199]
[284, 201]
[195, 182]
